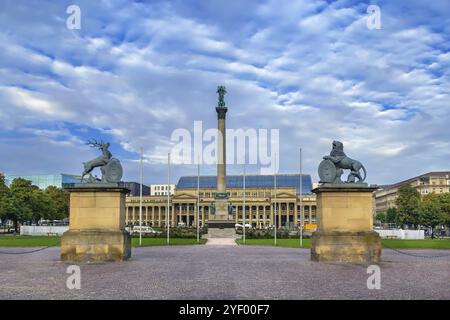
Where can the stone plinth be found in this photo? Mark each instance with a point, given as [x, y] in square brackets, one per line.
[344, 225]
[220, 219]
[97, 224]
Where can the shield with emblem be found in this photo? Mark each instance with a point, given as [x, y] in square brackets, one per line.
[113, 171]
[327, 171]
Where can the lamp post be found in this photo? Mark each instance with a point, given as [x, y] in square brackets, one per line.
[275, 198]
[243, 212]
[198, 201]
[140, 201]
[168, 199]
[301, 202]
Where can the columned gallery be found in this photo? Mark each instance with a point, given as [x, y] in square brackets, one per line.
[260, 201]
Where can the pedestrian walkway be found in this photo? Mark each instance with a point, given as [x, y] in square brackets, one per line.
[221, 242]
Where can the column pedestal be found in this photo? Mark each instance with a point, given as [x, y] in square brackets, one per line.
[344, 225]
[221, 219]
[97, 224]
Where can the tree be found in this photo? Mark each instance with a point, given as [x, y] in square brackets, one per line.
[60, 198]
[431, 213]
[4, 194]
[392, 216]
[381, 216]
[42, 206]
[407, 202]
[444, 199]
[20, 201]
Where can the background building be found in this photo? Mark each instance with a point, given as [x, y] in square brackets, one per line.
[431, 182]
[63, 180]
[162, 189]
[135, 188]
[260, 202]
[45, 180]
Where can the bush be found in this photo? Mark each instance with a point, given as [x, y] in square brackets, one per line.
[282, 233]
[185, 233]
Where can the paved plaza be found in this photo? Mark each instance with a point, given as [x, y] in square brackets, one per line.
[223, 272]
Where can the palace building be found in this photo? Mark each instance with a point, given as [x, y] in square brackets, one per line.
[260, 201]
[431, 182]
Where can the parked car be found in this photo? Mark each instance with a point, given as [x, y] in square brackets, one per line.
[145, 229]
[247, 226]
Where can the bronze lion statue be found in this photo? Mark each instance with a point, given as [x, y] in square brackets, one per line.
[341, 162]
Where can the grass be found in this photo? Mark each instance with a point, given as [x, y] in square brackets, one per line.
[29, 241]
[417, 244]
[397, 244]
[45, 241]
[163, 241]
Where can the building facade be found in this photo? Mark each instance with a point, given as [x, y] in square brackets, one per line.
[431, 182]
[135, 189]
[263, 206]
[162, 189]
[45, 180]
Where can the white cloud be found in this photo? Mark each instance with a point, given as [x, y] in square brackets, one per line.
[310, 68]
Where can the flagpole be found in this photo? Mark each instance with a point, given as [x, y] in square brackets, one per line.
[275, 197]
[198, 201]
[301, 199]
[140, 201]
[243, 217]
[168, 199]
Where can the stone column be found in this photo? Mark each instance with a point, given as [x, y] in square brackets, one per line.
[264, 214]
[272, 213]
[221, 150]
[257, 215]
[295, 213]
[153, 216]
[221, 218]
[279, 214]
[172, 214]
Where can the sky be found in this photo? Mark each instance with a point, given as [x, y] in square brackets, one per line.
[138, 70]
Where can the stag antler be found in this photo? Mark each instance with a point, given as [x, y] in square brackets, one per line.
[93, 143]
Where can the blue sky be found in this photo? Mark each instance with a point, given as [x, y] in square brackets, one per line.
[138, 70]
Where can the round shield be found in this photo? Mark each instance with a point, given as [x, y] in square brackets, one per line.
[327, 171]
[113, 171]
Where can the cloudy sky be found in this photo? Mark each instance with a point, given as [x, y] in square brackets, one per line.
[136, 71]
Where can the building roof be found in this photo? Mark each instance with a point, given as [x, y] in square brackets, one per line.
[425, 175]
[251, 181]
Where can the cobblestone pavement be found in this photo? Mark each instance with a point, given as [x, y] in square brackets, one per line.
[223, 272]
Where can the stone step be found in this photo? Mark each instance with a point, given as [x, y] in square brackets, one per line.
[221, 242]
[221, 233]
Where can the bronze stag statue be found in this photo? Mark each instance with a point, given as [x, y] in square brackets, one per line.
[110, 167]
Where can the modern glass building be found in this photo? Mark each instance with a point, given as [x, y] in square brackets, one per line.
[45, 180]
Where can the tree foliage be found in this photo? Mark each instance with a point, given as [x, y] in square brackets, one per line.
[392, 216]
[430, 212]
[24, 202]
[407, 202]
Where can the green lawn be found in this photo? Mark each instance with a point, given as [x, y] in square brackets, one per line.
[397, 244]
[28, 241]
[417, 244]
[163, 241]
[44, 241]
